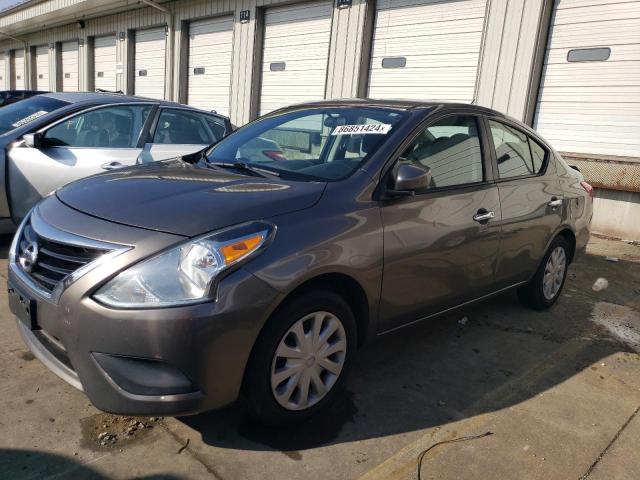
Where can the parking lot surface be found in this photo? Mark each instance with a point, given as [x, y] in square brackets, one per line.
[559, 391]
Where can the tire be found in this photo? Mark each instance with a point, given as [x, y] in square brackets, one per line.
[265, 397]
[534, 295]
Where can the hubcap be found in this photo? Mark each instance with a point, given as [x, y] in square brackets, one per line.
[308, 360]
[554, 273]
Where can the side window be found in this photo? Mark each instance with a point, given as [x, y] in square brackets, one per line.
[516, 153]
[110, 127]
[450, 150]
[182, 127]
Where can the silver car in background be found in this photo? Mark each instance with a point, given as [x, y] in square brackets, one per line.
[49, 140]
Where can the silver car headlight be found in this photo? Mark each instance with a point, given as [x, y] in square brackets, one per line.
[185, 274]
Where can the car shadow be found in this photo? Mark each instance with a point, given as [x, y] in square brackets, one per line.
[481, 359]
[15, 463]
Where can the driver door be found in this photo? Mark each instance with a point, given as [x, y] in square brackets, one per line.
[94, 141]
[441, 244]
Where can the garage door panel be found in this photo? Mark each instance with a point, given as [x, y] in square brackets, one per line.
[42, 67]
[17, 70]
[3, 83]
[69, 64]
[297, 38]
[572, 36]
[439, 43]
[150, 62]
[592, 107]
[625, 53]
[210, 57]
[594, 13]
[104, 58]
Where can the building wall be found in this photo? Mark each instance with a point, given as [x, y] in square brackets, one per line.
[506, 61]
[616, 213]
[510, 65]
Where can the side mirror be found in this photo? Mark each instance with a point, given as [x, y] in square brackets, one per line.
[33, 140]
[409, 178]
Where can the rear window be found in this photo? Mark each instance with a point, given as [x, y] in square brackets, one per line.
[26, 111]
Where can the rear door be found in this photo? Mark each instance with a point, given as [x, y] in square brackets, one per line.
[441, 245]
[533, 205]
[83, 144]
[180, 131]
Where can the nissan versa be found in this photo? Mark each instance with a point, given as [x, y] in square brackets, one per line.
[179, 286]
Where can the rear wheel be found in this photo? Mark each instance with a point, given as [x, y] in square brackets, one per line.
[301, 359]
[545, 287]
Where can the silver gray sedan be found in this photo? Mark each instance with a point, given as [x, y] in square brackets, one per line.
[49, 140]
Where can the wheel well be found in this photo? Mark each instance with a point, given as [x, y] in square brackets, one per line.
[571, 240]
[345, 286]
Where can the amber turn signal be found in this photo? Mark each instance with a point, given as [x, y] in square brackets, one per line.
[240, 248]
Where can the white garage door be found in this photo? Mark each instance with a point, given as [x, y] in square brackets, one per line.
[3, 69]
[149, 71]
[426, 49]
[69, 65]
[104, 62]
[42, 68]
[17, 70]
[589, 99]
[295, 56]
[209, 75]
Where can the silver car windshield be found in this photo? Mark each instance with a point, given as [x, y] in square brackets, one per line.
[25, 111]
[323, 144]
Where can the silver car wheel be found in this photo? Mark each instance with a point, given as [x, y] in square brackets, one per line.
[554, 273]
[308, 360]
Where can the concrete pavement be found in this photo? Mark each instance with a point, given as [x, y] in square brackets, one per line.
[559, 390]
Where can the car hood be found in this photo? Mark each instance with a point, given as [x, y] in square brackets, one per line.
[185, 199]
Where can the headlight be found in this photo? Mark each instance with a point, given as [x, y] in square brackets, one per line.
[184, 274]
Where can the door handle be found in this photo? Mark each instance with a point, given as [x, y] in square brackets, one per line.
[555, 202]
[112, 166]
[483, 216]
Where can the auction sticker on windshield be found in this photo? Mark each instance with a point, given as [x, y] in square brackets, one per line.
[28, 119]
[379, 129]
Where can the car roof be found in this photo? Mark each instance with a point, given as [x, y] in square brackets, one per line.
[400, 104]
[108, 97]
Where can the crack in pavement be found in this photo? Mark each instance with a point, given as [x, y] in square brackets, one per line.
[184, 446]
[608, 447]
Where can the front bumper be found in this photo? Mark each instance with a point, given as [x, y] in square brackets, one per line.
[178, 360]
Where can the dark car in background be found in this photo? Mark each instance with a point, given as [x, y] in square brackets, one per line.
[49, 140]
[176, 287]
[7, 97]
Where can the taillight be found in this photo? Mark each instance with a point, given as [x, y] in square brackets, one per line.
[274, 154]
[588, 188]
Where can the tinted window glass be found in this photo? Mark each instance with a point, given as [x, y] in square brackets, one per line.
[110, 127]
[25, 111]
[183, 127]
[313, 144]
[450, 150]
[217, 126]
[512, 151]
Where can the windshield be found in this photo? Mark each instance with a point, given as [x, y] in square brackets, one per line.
[316, 144]
[25, 111]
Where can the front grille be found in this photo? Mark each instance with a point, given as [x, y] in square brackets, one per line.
[55, 261]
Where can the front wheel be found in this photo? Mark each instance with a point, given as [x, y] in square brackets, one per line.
[300, 359]
[545, 287]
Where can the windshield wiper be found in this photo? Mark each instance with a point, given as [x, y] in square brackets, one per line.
[243, 166]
